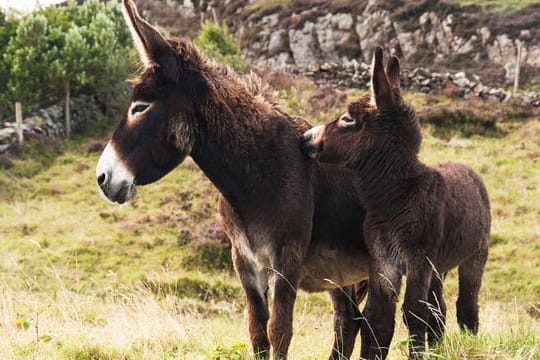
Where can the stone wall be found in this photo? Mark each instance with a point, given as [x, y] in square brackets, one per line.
[353, 74]
[86, 114]
[46, 122]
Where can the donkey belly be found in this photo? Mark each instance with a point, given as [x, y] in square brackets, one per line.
[325, 268]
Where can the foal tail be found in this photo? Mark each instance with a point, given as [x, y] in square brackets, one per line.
[361, 290]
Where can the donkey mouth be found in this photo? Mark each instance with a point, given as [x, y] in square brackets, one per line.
[310, 144]
[119, 194]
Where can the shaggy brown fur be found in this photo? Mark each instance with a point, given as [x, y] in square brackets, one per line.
[289, 219]
[421, 221]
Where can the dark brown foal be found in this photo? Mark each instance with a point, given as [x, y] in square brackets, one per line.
[421, 221]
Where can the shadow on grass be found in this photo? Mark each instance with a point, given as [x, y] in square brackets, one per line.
[473, 117]
[189, 287]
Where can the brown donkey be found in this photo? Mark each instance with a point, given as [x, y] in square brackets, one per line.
[421, 221]
[289, 219]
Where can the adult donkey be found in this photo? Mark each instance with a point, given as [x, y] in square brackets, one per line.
[289, 220]
[420, 220]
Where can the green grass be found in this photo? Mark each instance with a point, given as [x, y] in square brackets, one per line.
[499, 5]
[264, 4]
[153, 279]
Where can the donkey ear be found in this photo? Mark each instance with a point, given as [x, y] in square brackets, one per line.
[392, 71]
[153, 48]
[381, 91]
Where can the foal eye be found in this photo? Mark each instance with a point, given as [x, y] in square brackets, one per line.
[347, 120]
[138, 108]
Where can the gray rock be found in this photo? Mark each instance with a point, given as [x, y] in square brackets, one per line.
[374, 29]
[485, 34]
[270, 20]
[462, 82]
[35, 121]
[525, 35]
[420, 72]
[502, 50]
[532, 56]
[7, 135]
[510, 72]
[303, 45]
[278, 42]
[280, 61]
[408, 41]
[336, 37]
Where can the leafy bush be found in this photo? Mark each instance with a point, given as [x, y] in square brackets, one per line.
[76, 49]
[216, 41]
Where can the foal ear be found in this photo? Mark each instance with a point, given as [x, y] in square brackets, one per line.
[381, 91]
[392, 71]
[153, 48]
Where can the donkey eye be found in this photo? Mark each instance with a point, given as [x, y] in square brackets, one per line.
[138, 108]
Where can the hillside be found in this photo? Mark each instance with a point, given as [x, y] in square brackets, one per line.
[86, 279]
[441, 35]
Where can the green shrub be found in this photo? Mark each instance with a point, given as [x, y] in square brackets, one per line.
[216, 42]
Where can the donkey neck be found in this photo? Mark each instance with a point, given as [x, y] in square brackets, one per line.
[240, 145]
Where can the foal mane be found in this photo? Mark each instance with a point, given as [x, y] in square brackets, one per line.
[407, 133]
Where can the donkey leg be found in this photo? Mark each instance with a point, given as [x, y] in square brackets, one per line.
[470, 280]
[437, 310]
[346, 322]
[415, 309]
[255, 285]
[377, 325]
[280, 325]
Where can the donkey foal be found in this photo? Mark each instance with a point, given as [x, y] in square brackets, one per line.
[421, 221]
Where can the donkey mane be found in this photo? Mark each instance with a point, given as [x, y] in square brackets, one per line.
[249, 90]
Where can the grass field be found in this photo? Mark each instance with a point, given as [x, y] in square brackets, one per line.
[499, 5]
[84, 279]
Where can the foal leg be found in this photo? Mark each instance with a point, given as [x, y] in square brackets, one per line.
[415, 309]
[346, 322]
[437, 310]
[255, 284]
[377, 325]
[470, 280]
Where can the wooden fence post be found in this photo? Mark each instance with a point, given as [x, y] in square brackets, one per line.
[18, 122]
[214, 16]
[67, 110]
[518, 66]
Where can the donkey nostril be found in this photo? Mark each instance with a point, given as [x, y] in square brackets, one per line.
[102, 179]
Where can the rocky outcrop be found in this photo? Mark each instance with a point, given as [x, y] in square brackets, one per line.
[436, 34]
[434, 42]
